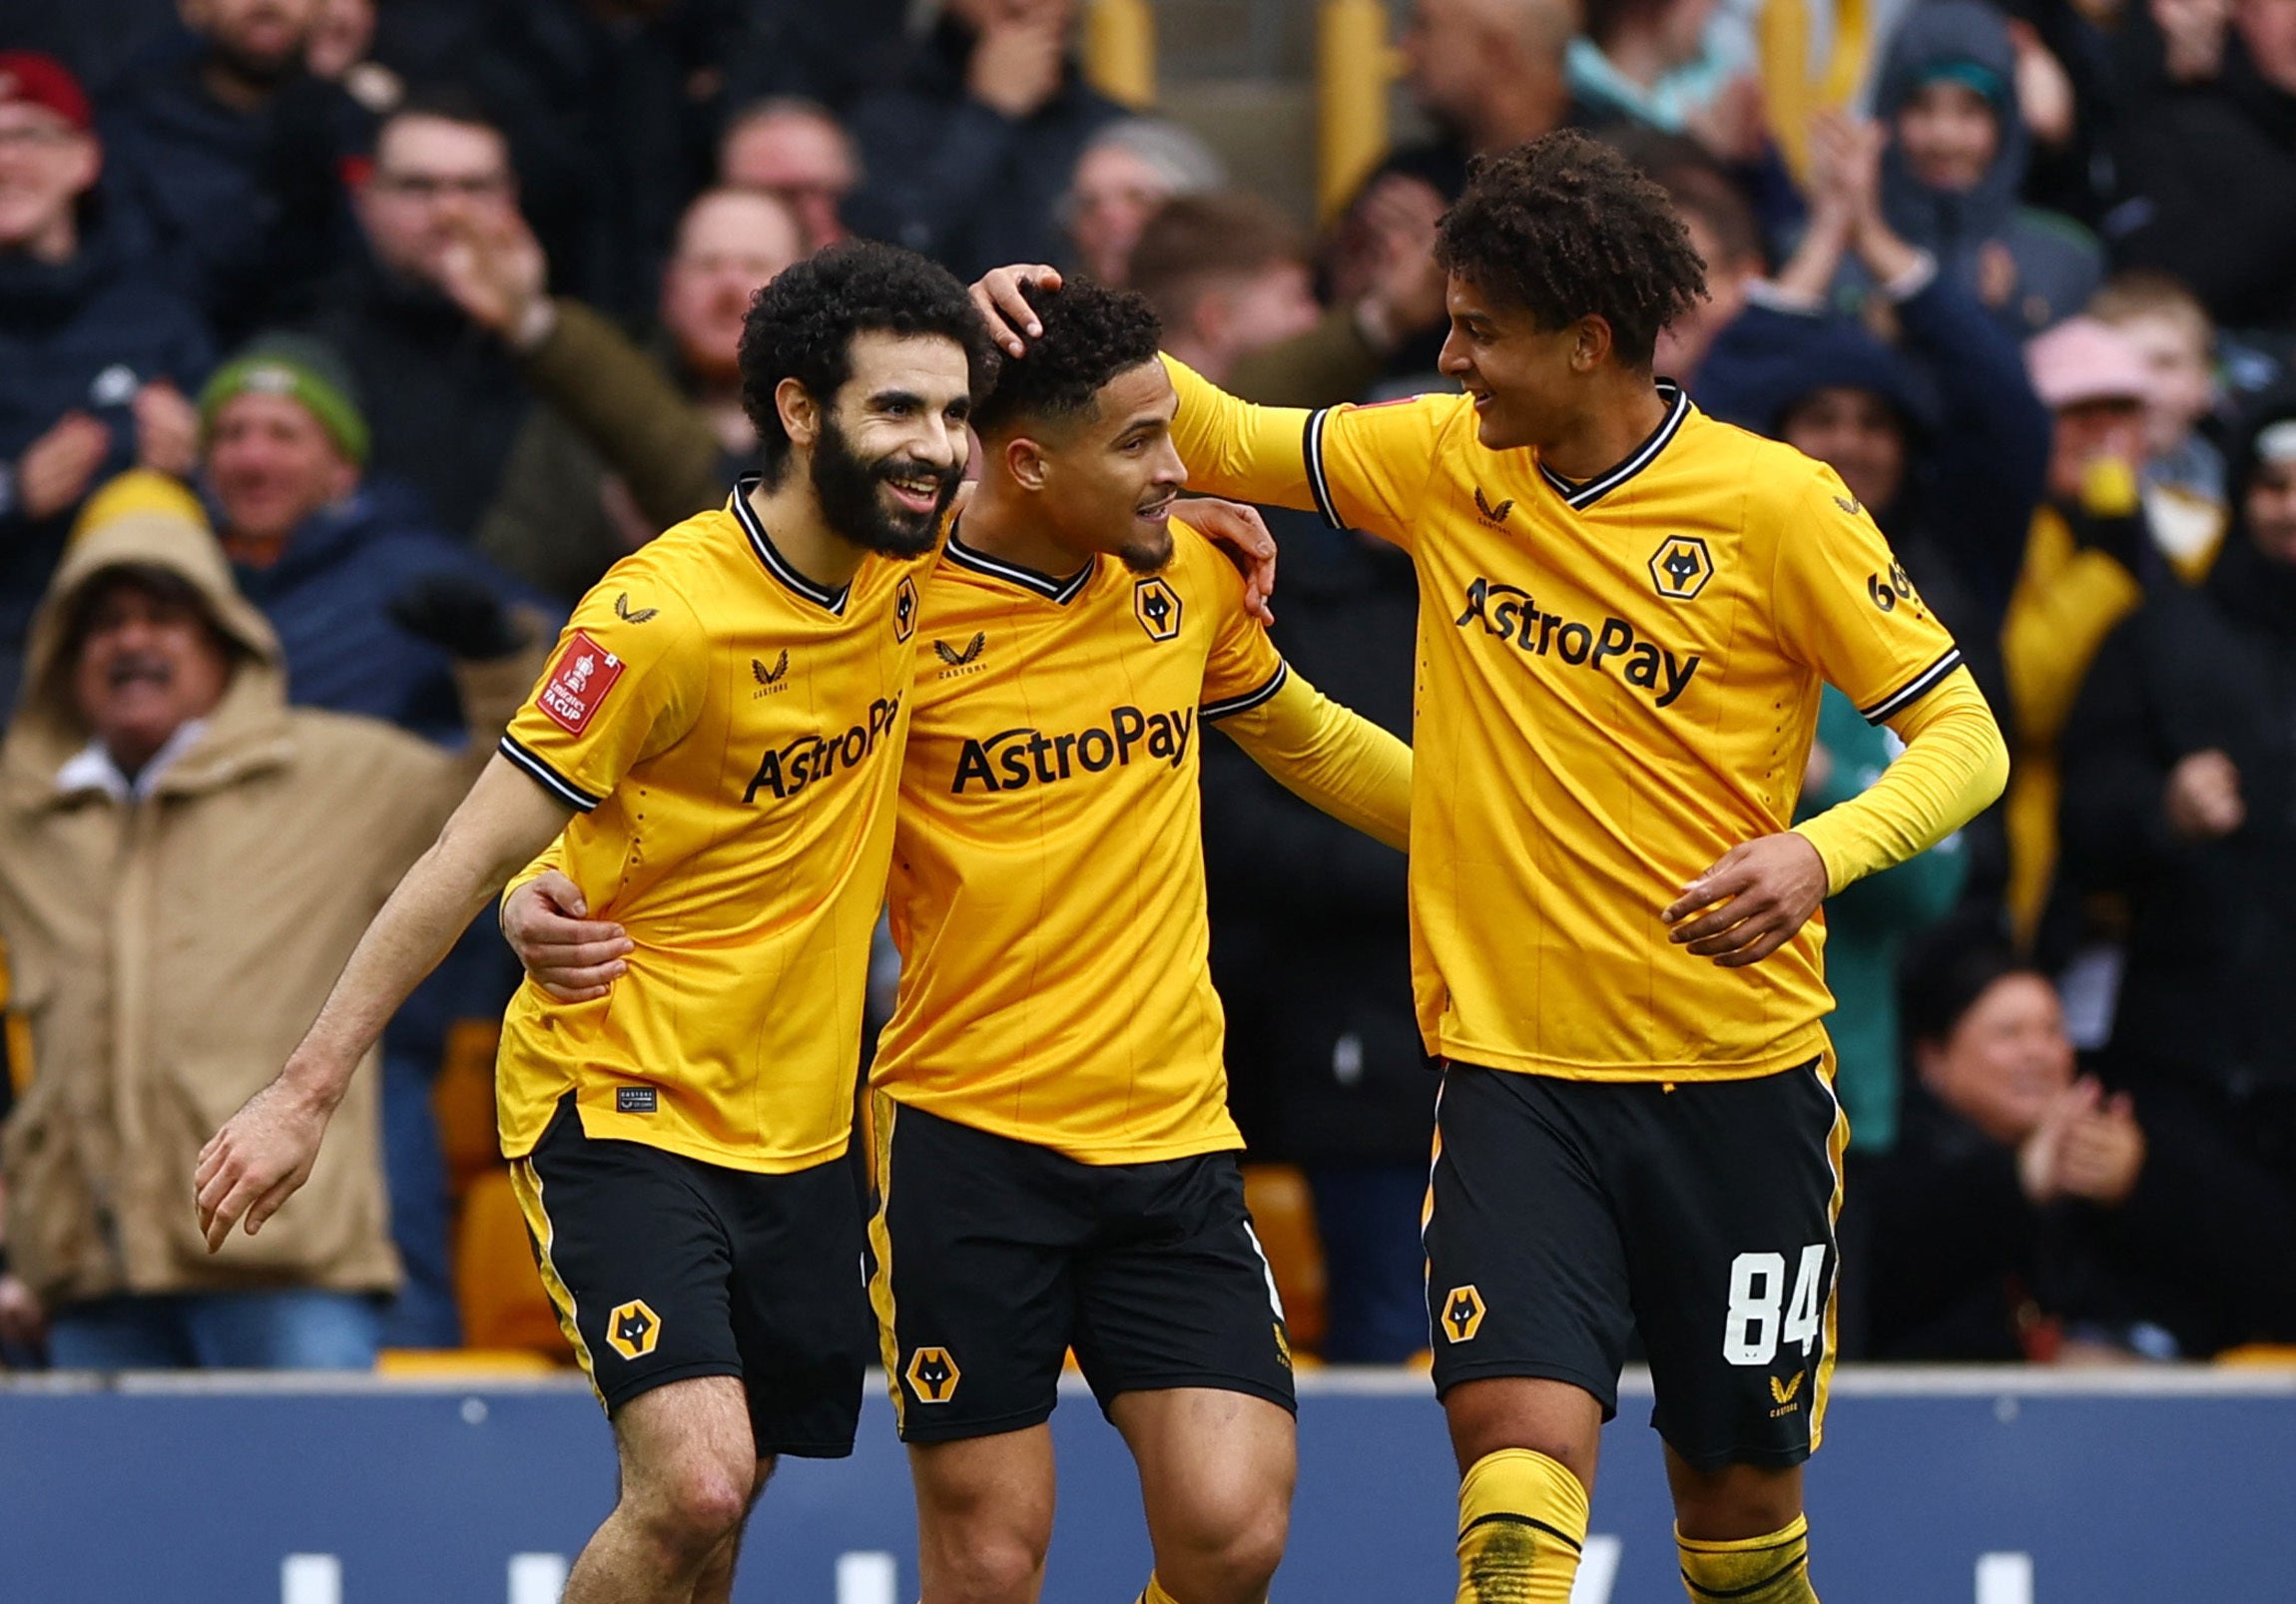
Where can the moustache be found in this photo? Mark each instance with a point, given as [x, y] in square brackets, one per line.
[130, 668]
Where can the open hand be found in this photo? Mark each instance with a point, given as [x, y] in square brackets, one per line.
[167, 429]
[257, 1160]
[1755, 896]
[1238, 531]
[571, 957]
[56, 469]
[1001, 296]
[495, 269]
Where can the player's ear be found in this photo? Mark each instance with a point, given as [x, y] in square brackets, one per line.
[1024, 461]
[801, 413]
[1591, 348]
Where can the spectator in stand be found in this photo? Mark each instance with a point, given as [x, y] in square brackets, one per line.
[444, 400]
[232, 158]
[2209, 176]
[2183, 480]
[801, 155]
[1228, 276]
[1724, 232]
[340, 51]
[563, 518]
[967, 158]
[1129, 170]
[2087, 560]
[329, 556]
[156, 686]
[1661, 64]
[1956, 157]
[95, 355]
[2180, 795]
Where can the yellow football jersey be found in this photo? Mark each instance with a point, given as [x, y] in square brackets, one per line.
[732, 733]
[1617, 683]
[1047, 890]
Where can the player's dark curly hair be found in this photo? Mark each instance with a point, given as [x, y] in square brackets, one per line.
[1091, 335]
[1566, 228]
[802, 327]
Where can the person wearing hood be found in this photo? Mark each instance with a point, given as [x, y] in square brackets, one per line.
[2180, 796]
[2209, 176]
[96, 356]
[1957, 160]
[968, 156]
[173, 833]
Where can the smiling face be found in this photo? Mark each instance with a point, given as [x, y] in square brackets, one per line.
[2007, 1058]
[148, 661]
[272, 465]
[46, 165]
[1949, 133]
[889, 452]
[1106, 478]
[1522, 377]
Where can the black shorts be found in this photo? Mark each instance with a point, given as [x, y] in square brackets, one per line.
[1563, 1215]
[664, 1268]
[989, 1259]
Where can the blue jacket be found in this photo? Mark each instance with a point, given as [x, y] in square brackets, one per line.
[242, 211]
[329, 596]
[963, 183]
[2058, 264]
[85, 333]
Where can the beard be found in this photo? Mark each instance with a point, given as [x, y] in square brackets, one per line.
[850, 489]
[1148, 556]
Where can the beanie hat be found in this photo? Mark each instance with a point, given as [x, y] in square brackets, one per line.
[303, 370]
[41, 79]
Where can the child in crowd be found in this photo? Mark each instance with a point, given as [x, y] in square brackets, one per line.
[2183, 472]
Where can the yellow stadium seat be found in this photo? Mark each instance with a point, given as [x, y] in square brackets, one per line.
[2261, 1355]
[476, 1365]
[495, 1281]
[1284, 1217]
[462, 1101]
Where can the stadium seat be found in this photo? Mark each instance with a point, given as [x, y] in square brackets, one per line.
[462, 1101]
[462, 1363]
[495, 1281]
[1283, 1216]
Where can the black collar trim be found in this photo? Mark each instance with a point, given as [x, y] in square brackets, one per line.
[1578, 497]
[776, 564]
[1062, 591]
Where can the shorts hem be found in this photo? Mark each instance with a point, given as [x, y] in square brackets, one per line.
[1603, 1392]
[946, 1430]
[1763, 1458]
[637, 1386]
[807, 1451]
[1283, 1397]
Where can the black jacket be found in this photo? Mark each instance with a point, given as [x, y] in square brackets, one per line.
[2213, 923]
[442, 396]
[958, 181]
[1309, 932]
[2209, 176]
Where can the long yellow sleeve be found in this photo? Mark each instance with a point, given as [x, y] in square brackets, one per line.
[1234, 448]
[1332, 758]
[1954, 765]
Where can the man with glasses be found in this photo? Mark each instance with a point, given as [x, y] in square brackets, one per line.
[443, 397]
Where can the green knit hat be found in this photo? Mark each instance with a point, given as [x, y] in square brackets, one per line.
[300, 367]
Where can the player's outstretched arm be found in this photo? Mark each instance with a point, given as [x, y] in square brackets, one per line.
[1231, 447]
[1332, 758]
[265, 1151]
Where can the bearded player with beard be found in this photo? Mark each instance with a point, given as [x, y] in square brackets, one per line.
[715, 753]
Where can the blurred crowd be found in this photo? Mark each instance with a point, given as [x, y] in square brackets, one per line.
[343, 344]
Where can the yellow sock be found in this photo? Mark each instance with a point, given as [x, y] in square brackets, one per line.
[1521, 1523]
[1755, 1570]
[1155, 1593]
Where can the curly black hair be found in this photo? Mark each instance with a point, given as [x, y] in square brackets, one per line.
[1565, 228]
[802, 327]
[1091, 335]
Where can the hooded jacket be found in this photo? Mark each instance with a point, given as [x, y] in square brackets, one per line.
[2058, 266]
[167, 954]
[2208, 667]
